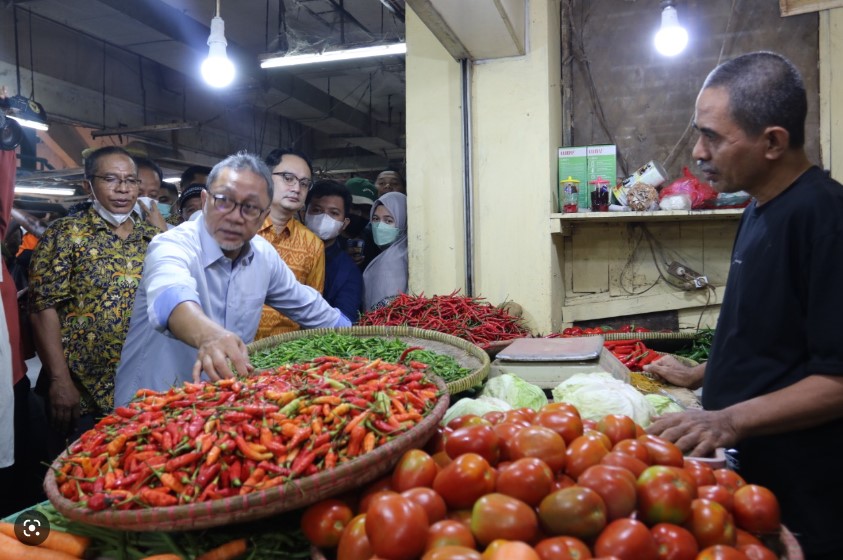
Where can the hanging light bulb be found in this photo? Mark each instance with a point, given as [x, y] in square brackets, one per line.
[671, 38]
[217, 70]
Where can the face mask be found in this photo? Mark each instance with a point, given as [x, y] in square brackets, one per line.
[165, 209]
[356, 225]
[114, 219]
[384, 234]
[323, 226]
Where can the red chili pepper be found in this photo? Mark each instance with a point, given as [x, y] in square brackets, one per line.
[182, 461]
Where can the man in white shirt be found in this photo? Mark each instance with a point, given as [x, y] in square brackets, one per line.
[203, 286]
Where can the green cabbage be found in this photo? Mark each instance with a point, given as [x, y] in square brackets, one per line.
[515, 391]
[479, 406]
[597, 394]
[663, 404]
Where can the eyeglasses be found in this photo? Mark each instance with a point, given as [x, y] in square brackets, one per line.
[290, 180]
[225, 205]
[111, 181]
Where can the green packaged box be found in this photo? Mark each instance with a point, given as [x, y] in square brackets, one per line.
[572, 163]
[602, 162]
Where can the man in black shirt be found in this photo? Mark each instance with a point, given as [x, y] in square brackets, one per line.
[773, 386]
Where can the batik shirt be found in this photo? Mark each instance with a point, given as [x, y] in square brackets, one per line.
[89, 275]
[304, 253]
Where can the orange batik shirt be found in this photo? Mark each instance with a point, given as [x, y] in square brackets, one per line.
[304, 253]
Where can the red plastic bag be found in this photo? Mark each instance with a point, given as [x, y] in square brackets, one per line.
[700, 193]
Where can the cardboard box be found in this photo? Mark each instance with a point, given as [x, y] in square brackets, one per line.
[602, 162]
[572, 163]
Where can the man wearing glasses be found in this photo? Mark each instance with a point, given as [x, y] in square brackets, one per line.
[83, 277]
[300, 248]
[204, 284]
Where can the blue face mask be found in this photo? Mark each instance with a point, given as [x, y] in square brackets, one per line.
[384, 234]
[165, 209]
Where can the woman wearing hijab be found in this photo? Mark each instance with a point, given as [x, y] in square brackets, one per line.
[386, 276]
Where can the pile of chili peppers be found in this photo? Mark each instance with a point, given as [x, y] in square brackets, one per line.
[209, 441]
[584, 331]
[470, 318]
[632, 353]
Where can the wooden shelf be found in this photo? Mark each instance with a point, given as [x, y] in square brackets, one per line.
[562, 223]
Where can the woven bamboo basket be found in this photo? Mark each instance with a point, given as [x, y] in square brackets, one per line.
[465, 353]
[295, 494]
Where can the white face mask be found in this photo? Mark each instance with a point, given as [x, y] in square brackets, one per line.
[112, 218]
[324, 226]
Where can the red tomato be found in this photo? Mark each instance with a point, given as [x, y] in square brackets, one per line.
[384, 483]
[562, 481]
[628, 462]
[729, 478]
[436, 443]
[627, 539]
[674, 542]
[497, 516]
[464, 480]
[583, 452]
[354, 544]
[323, 522]
[564, 422]
[415, 468]
[635, 448]
[431, 502]
[758, 552]
[600, 436]
[449, 532]
[506, 433]
[466, 420]
[665, 495]
[721, 552]
[509, 550]
[372, 496]
[528, 413]
[743, 538]
[576, 512]
[529, 479]
[662, 452]
[617, 427]
[517, 416]
[589, 424]
[493, 416]
[476, 438]
[396, 527]
[441, 459]
[710, 524]
[451, 552]
[703, 474]
[756, 509]
[562, 548]
[717, 493]
[615, 485]
[560, 405]
[540, 442]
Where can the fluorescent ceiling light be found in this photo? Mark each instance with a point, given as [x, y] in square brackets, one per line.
[331, 56]
[27, 112]
[174, 180]
[55, 191]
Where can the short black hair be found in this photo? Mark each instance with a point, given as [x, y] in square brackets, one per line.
[171, 188]
[274, 157]
[329, 187]
[765, 89]
[141, 161]
[189, 174]
[93, 159]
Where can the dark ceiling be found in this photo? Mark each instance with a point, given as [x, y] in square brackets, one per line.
[104, 65]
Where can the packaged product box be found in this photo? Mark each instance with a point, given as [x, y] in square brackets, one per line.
[572, 163]
[602, 162]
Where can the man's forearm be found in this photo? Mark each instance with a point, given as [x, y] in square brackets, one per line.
[810, 402]
[188, 323]
[46, 329]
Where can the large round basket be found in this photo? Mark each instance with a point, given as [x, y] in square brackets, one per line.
[296, 493]
[465, 353]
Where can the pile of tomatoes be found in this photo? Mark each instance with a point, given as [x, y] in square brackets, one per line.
[548, 485]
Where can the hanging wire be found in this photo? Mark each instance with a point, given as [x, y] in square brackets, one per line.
[17, 48]
[31, 63]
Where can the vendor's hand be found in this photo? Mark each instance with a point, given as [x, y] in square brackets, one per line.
[153, 215]
[65, 404]
[696, 432]
[674, 372]
[220, 355]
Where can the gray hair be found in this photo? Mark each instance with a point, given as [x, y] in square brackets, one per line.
[765, 89]
[244, 160]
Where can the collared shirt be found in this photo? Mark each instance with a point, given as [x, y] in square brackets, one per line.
[89, 275]
[304, 253]
[187, 264]
[343, 280]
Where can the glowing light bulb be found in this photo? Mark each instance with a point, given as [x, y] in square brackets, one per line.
[671, 38]
[217, 70]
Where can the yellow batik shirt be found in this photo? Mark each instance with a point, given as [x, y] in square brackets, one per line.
[89, 275]
[304, 253]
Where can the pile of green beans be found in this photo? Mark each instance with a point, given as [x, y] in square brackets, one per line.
[347, 346]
